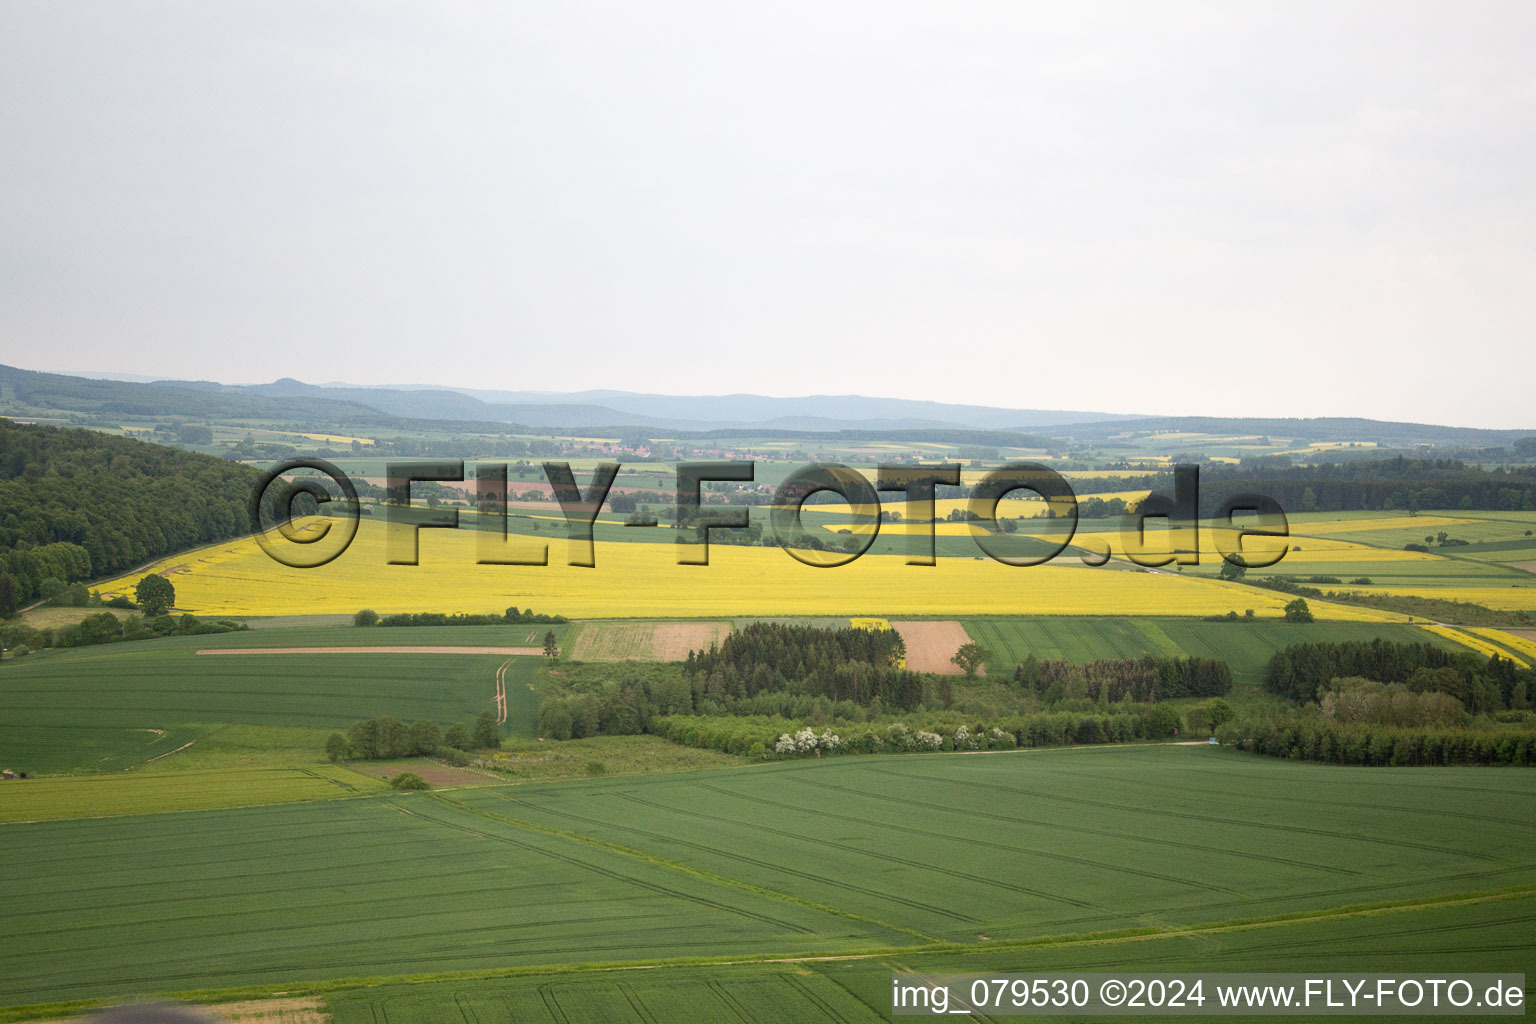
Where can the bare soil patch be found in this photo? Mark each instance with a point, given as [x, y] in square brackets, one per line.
[435, 773]
[295, 1010]
[673, 641]
[930, 645]
[646, 641]
[375, 650]
[1527, 566]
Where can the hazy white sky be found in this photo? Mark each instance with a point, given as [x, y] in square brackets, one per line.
[1291, 209]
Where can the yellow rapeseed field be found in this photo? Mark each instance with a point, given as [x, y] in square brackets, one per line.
[1314, 550]
[1510, 640]
[904, 529]
[1507, 599]
[1477, 643]
[644, 580]
[1429, 523]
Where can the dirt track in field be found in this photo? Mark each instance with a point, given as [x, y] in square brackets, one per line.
[515, 651]
[930, 645]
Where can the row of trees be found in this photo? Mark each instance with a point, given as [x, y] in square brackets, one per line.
[1106, 681]
[105, 628]
[384, 738]
[1311, 738]
[1303, 672]
[512, 616]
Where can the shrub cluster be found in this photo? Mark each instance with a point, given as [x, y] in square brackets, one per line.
[384, 738]
[776, 738]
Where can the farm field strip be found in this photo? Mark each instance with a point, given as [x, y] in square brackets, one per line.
[515, 651]
[1519, 644]
[645, 641]
[1246, 646]
[644, 580]
[112, 795]
[1477, 643]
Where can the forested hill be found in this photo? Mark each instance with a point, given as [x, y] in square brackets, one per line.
[78, 504]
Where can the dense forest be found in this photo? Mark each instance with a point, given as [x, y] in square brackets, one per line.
[79, 504]
[1302, 673]
[859, 665]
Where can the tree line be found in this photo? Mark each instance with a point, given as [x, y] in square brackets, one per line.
[1310, 738]
[1397, 483]
[1145, 680]
[105, 628]
[512, 616]
[383, 738]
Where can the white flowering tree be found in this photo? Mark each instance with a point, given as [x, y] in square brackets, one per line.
[925, 740]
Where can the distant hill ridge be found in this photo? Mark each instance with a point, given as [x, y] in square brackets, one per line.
[471, 409]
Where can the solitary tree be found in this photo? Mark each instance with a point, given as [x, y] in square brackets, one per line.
[970, 658]
[155, 594]
[1297, 611]
[1231, 570]
[366, 617]
[487, 734]
[551, 649]
[337, 748]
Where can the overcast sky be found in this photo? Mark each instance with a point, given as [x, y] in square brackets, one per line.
[1291, 209]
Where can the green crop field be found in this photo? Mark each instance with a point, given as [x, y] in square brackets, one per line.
[1246, 646]
[102, 795]
[99, 708]
[1459, 937]
[979, 856]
